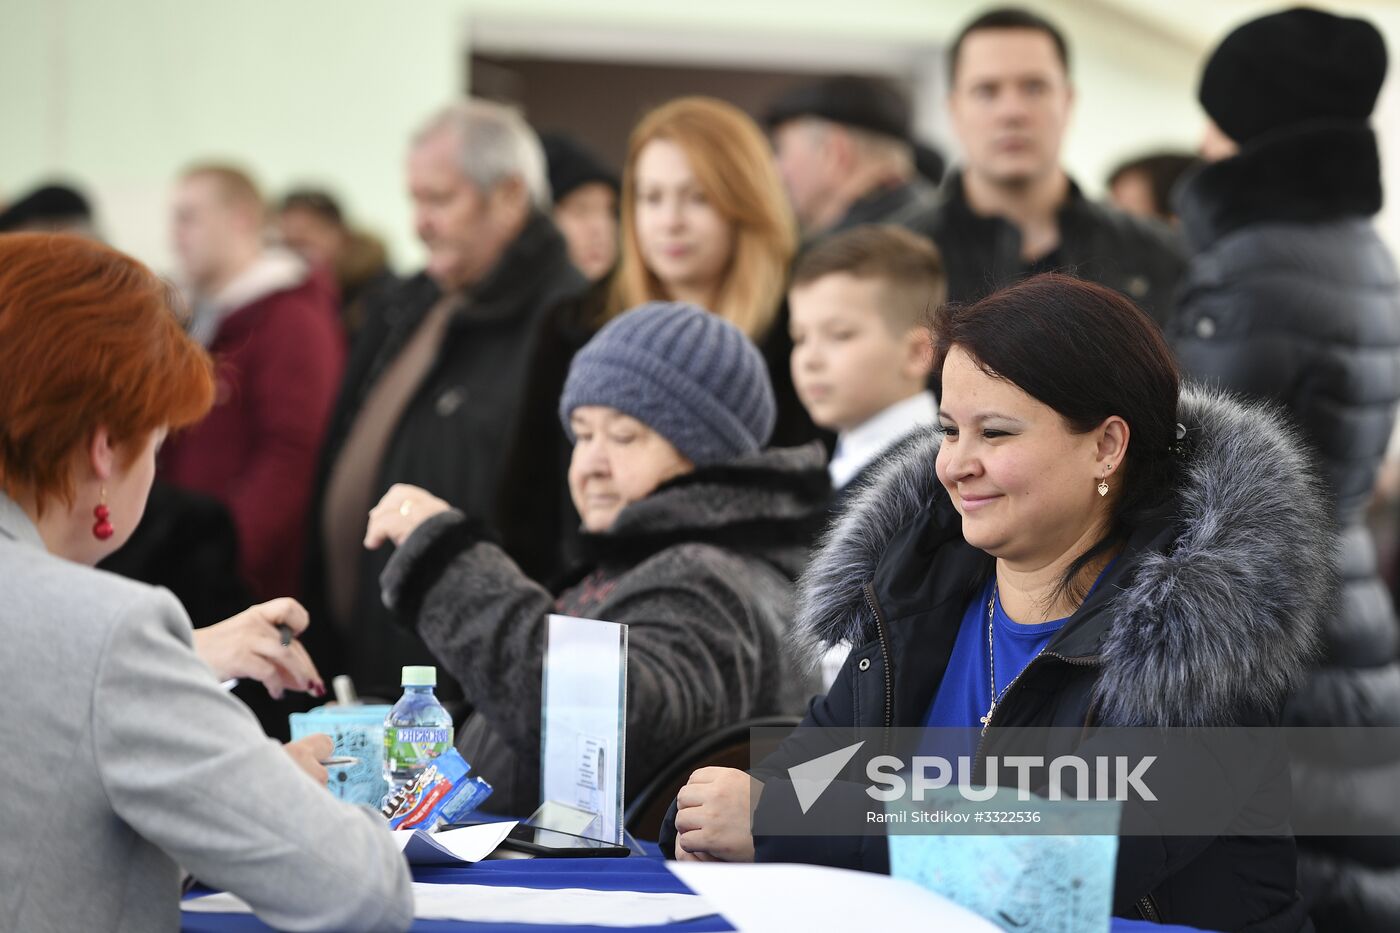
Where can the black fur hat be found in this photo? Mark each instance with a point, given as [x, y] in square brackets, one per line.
[1291, 67]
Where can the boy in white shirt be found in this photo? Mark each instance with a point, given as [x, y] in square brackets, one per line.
[862, 352]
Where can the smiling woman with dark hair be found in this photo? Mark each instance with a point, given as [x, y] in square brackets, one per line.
[1079, 543]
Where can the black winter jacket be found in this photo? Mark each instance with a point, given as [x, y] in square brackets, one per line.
[457, 437]
[982, 254]
[900, 204]
[1166, 639]
[1292, 297]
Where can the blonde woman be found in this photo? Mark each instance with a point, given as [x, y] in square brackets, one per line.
[705, 220]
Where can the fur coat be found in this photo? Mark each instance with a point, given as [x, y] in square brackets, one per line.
[1207, 618]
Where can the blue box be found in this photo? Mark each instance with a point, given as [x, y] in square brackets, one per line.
[358, 732]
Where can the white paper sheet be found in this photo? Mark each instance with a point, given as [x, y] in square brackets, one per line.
[779, 898]
[480, 903]
[454, 846]
[221, 903]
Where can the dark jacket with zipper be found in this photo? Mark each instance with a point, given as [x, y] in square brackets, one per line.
[1141, 259]
[1292, 297]
[1165, 639]
[456, 437]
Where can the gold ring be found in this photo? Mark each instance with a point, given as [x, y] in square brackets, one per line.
[405, 507]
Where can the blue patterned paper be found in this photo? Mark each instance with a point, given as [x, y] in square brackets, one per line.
[1023, 883]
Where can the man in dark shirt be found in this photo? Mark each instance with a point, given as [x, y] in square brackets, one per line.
[1010, 209]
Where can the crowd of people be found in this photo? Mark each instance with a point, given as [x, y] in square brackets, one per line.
[818, 420]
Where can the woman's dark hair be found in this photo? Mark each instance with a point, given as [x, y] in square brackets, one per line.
[1162, 171]
[1089, 353]
[314, 201]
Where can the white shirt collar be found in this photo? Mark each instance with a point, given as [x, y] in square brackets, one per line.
[274, 270]
[856, 448]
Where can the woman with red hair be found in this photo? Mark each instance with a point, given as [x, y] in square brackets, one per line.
[132, 757]
[705, 220]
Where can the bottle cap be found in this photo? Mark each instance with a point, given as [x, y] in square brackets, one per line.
[420, 676]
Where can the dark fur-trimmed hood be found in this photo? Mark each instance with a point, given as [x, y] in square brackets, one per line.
[1225, 618]
[1311, 173]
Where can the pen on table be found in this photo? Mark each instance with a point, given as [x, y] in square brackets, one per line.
[338, 760]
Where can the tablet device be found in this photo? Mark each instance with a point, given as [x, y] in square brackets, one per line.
[550, 843]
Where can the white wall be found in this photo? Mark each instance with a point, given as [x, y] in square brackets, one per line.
[1203, 23]
[120, 95]
[1134, 79]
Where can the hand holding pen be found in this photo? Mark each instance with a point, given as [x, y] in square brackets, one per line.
[261, 643]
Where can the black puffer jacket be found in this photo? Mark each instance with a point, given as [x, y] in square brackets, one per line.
[1292, 297]
[1166, 639]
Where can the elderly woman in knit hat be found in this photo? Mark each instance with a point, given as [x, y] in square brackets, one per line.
[694, 533]
[1292, 297]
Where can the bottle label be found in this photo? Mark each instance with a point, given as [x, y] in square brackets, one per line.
[409, 746]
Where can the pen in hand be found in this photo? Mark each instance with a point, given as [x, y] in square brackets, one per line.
[285, 631]
[284, 635]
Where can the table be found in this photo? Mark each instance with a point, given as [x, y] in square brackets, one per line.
[603, 874]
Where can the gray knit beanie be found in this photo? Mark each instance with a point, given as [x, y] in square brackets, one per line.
[687, 374]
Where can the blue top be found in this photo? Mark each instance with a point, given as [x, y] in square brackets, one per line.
[966, 690]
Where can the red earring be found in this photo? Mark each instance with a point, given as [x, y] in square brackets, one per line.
[102, 528]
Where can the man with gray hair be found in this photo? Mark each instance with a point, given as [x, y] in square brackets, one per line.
[438, 385]
[844, 148]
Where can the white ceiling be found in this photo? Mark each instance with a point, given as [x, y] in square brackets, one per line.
[1202, 23]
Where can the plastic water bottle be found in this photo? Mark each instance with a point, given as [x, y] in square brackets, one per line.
[416, 730]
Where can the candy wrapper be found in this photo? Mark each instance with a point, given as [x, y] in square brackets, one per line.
[444, 792]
